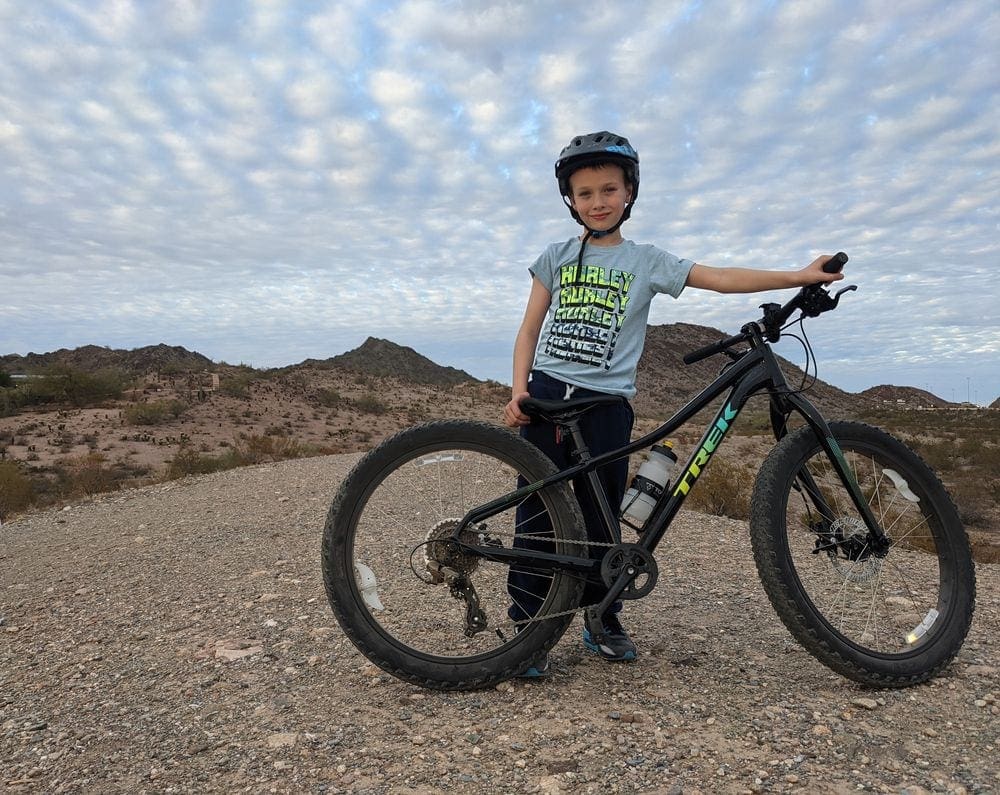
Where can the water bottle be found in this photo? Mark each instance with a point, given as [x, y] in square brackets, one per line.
[649, 483]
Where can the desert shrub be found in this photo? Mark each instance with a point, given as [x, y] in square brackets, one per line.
[329, 398]
[88, 474]
[154, 413]
[295, 380]
[189, 461]
[16, 489]
[237, 384]
[983, 455]
[260, 449]
[944, 456]
[61, 384]
[976, 500]
[369, 404]
[970, 468]
[91, 475]
[144, 414]
[723, 489]
[5, 380]
[12, 400]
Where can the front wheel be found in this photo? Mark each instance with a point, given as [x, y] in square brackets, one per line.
[419, 605]
[885, 620]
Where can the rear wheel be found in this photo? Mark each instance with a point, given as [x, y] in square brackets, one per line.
[417, 604]
[884, 620]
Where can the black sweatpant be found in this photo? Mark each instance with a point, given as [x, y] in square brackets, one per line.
[604, 428]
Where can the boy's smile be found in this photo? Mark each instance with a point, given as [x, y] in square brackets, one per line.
[599, 197]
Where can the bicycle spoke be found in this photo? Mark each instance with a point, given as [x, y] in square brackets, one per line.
[874, 601]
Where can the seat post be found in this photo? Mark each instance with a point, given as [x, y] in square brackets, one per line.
[580, 449]
[612, 530]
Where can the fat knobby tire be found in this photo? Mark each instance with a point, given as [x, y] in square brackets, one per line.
[439, 672]
[792, 604]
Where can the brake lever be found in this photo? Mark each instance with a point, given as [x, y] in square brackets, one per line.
[816, 300]
[848, 289]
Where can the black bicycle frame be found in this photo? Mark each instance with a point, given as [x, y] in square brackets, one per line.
[753, 372]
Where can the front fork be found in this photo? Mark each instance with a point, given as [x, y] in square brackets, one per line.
[781, 408]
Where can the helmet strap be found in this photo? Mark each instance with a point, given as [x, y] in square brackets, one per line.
[583, 244]
[596, 234]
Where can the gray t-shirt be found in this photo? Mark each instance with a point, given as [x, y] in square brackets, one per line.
[596, 324]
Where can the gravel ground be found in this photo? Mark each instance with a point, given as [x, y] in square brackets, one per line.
[176, 638]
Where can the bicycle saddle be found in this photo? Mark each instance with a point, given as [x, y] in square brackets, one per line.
[559, 411]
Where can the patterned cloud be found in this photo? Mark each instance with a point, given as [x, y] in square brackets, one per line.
[265, 182]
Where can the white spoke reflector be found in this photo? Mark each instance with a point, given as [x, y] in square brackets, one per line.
[921, 629]
[439, 459]
[901, 485]
[369, 586]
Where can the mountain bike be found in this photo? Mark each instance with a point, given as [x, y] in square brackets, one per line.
[858, 545]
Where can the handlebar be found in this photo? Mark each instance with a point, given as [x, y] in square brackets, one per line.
[812, 300]
[714, 348]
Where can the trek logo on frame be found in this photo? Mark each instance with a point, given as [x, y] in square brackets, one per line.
[712, 440]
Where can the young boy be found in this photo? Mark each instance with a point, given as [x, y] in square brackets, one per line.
[583, 332]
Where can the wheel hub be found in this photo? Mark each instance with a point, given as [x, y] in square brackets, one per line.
[855, 561]
[445, 560]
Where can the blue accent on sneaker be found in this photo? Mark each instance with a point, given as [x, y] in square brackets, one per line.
[610, 640]
[540, 670]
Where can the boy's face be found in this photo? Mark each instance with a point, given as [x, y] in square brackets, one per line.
[600, 195]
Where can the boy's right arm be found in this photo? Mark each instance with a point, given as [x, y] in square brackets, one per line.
[524, 351]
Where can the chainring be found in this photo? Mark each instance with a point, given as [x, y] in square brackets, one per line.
[640, 564]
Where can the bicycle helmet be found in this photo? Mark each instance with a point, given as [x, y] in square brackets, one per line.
[596, 149]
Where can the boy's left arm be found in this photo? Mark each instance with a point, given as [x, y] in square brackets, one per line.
[750, 280]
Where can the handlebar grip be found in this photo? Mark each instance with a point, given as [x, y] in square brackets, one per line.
[836, 263]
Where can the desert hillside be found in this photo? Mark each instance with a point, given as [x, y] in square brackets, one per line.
[166, 412]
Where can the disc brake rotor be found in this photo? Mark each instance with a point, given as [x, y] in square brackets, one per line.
[858, 564]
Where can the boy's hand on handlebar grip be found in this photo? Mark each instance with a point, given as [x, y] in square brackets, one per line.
[825, 269]
[513, 417]
[836, 263]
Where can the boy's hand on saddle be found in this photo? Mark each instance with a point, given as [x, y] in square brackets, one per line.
[513, 417]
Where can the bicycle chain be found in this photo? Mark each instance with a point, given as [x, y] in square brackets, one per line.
[547, 616]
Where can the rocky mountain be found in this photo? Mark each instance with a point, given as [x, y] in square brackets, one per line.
[382, 358]
[90, 358]
[904, 397]
[665, 383]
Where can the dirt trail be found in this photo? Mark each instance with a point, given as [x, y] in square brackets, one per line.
[176, 638]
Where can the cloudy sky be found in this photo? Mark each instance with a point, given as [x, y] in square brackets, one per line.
[264, 182]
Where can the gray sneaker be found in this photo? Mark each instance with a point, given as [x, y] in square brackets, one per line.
[539, 670]
[608, 638]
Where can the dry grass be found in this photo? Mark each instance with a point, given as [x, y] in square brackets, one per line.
[168, 429]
